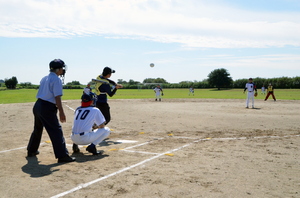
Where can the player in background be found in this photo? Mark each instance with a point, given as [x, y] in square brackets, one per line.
[270, 92]
[251, 87]
[45, 114]
[263, 90]
[158, 93]
[87, 89]
[191, 90]
[103, 89]
[88, 126]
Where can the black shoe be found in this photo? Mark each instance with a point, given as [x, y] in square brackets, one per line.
[92, 149]
[75, 148]
[66, 159]
[31, 154]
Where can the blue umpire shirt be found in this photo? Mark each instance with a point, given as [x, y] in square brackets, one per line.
[50, 87]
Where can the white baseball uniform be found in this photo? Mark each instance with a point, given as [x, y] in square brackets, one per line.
[157, 92]
[82, 131]
[263, 90]
[191, 90]
[251, 88]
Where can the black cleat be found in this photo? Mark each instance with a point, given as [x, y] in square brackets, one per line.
[75, 148]
[92, 149]
[31, 154]
[66, 159]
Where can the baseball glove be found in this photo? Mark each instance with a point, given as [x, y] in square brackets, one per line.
[255, 94]
[162, 94]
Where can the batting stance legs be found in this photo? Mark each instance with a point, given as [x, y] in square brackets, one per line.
[45, 116]
[105, 110]
[250, 96]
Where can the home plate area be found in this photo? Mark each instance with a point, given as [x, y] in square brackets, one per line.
[155, 146]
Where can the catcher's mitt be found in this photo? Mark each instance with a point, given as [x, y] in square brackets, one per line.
[255, 94]
[162, 94]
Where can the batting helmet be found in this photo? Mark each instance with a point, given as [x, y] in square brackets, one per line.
[107, 70]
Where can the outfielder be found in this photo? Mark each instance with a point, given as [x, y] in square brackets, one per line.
[251, 87]
[88, 126]
[263, 90]
[158, 92]
[191, 90]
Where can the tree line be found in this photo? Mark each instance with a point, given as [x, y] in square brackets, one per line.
[218, 78]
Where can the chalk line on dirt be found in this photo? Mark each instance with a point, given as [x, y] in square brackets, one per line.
[16, 149]
[154, 157]
[122, 170]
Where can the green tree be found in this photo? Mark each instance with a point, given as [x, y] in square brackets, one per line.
[11, 83]
[155, 80]
[219, 78]
[132, 82]
[73, 83]
[121, 81]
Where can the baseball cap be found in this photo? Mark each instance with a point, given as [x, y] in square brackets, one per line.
[250, 79]
[86, 98]
[57, 63]
[107, 70]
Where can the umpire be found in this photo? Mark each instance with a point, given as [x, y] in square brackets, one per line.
[45, 114]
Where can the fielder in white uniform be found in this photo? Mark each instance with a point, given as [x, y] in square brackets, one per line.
[263, 90]
[251, 87]
[158, 92]
[191, 90]
[89, 126]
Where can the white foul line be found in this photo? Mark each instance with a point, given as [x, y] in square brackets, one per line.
[70, 107]
[152, 158]
[12, 149]
[120, 171]
[16, 149]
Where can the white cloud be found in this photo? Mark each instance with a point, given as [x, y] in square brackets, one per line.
[191, 23]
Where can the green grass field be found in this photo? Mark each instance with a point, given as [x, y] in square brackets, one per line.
[28, 95]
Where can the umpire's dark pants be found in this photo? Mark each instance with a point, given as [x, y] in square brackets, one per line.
[45, 115]
[105, 110]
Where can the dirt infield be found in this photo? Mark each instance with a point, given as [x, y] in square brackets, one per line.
[174, 148]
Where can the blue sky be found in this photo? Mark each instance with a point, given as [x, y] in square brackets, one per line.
[185, 39]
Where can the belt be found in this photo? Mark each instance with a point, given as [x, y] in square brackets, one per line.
[81, 134]
[250, 91]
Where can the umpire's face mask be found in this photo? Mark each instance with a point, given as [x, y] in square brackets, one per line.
[62, 75]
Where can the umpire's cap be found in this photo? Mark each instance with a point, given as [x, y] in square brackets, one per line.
[56, 64]
[86, 98]
[107, 70]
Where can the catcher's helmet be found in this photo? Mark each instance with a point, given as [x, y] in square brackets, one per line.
[86, 98]
[56, 64]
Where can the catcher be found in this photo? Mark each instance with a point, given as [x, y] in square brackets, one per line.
[251, 87]
[89, 126]
[157, 91]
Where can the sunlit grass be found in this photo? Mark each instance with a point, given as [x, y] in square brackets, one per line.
[29, 95]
